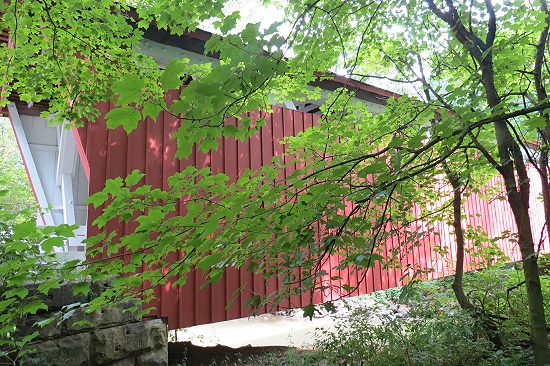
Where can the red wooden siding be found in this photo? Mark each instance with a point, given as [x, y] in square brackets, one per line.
[112, 153]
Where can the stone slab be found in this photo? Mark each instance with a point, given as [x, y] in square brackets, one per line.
[57, 298]
[117, 343]
[107, 317]
[50, 330]
[130, 361]
[158, 357]
[73, 350]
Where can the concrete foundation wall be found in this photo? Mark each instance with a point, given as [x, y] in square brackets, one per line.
[117, 337]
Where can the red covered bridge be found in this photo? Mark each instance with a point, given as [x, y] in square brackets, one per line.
[65, 167]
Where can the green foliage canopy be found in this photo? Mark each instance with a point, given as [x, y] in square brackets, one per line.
[374, 163]
[475, 86]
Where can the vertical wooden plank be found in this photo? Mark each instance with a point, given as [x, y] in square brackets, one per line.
[282, 120]
[153, 174]
[203, 296]
[136, 160]
[232, 276]
[293, 127]
[472, 209]
[170, 300]
[384, 274]
[368, 280]
[468, 211]
[218, 289]
[430, 259]
[96, 151]
[425, 247]
[308, 120]
[417, 244]
[245, 155]
[393, 272]
[261, 146]
[273, 148]
[187, 311]
[288, 130]
[116, 168]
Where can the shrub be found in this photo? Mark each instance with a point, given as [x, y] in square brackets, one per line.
[428, 329]
[426, 336]
[22, 261]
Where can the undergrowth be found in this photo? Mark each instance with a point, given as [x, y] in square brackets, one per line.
[434, 330]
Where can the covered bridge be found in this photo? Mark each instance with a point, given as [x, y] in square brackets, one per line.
[65, 166]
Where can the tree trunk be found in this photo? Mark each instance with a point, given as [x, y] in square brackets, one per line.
[542, 96]
[511, 164]
[543, 166]
[487, 323]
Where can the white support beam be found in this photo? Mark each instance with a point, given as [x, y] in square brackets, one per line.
[37, 186]
[68, 199]
[290, 104]
[73, 244]
[67, 155]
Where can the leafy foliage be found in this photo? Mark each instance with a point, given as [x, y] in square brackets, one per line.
[25, 259]
[475, 79]
[428, 328]
[18, 195]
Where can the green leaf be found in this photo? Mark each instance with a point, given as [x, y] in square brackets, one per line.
[329, 306]
[97, 199]
[534, 123]
[266, 65]
[229, 22]
[129, 89]
[17, 246]
[309, 311]
[23, 231]
[48, 244]
[180, 281]
[20, 292]
[81, 288]
[4, 304]
[193, 209]
[34, 306]
[208, 261]
[134, 177]
[46, 286]
[230, 130]
[209, 144]
[250, 32]
[127, 117]
[68, 314]
[152, 110]
[43, 323]
[170, 78]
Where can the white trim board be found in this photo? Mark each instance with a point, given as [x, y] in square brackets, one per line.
[38, 188]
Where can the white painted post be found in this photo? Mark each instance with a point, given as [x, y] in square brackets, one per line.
[37, 186]
[67, 155]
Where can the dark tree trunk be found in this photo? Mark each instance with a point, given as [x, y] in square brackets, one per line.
[465, 303]
[511, 164]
